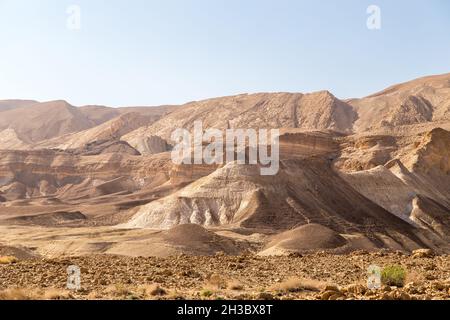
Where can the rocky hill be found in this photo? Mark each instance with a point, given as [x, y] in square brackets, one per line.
[364, 173]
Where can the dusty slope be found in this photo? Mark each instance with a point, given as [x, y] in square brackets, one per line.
[68, 241]
[316, 111]
[306, 190]
[61, 170]
[102, 114]
[103, 181]
[57, 124]
[110, 130]
[9, 140]
[309, 237]
[410, 108]
[42, 121]
[385, 187]
[414, 185]
[302, 194]
[421, 101]
[13, 104]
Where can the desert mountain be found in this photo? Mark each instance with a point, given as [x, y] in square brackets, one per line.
[37, 122]
[9, 140]
[102, 114]
[307, 190]
[316, 111]
[57, 124]
[13, 104]
[359, 174]
[413, 107]
[110, 130]
[423, 101]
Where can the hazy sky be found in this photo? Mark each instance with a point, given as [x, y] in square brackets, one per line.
[148, 52]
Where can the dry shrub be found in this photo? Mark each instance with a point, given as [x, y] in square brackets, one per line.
[118, 290]
[94, 295]
[8, 260]
[55, 294]
[235, 285]
[206, 293]
[17, 294]
[152, 290]
[296, 285]
[216, 281]
[34, 294]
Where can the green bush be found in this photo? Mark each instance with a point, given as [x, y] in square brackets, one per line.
[206, 293]
[393, 276]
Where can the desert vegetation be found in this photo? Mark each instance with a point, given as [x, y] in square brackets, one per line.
[317, 276]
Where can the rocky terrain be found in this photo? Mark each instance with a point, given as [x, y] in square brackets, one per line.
[360, 175]
[318, 276]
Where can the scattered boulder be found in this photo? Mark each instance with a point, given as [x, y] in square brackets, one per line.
[356, 289]
[330, 295]
[265, 296]
[439, 286]
[332, 287]
[330, 292]
[423, 253]
[414, 288]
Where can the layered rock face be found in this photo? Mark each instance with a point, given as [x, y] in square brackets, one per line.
[317, 111]
[37, 174]
[358, 174]
[396, 110]
[28, 125]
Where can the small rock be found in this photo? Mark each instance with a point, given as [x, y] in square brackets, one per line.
[399, 295]
[430, 267]
[386, 288]
[438, 286]
[265, 296]
[190, 274]
[404, 296]
[356, 289]
[414, 288]
[336, 296]
[430, 276]
[386, 296]
[166, 273]
[330, 295]
[423, 253]
[370, 293]
[331, 287]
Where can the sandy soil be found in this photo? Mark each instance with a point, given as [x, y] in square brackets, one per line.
[316, 276]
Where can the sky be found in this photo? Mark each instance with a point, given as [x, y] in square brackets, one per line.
[148, 52]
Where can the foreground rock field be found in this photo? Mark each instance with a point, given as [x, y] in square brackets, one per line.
[318, 276]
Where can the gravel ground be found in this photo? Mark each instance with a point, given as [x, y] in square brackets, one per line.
[315, 276]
